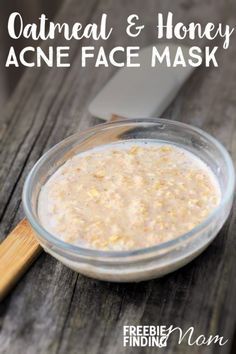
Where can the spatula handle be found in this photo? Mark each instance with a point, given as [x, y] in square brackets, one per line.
[17, 252]
[115, 118]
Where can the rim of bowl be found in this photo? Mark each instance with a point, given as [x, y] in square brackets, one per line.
[82, 251]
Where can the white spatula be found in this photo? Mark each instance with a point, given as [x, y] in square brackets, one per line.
[143, 91]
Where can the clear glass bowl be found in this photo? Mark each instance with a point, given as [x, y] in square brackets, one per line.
[143, 263]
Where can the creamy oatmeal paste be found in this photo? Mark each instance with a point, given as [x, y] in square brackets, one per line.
[128, 196]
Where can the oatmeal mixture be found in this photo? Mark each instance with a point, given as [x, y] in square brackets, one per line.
[128, 196]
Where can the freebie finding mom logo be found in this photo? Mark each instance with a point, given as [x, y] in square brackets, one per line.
[157, 336]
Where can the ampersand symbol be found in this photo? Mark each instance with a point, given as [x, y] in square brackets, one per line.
[132, 23]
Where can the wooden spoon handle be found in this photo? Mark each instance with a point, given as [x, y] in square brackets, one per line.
[115, 118]
[17, 252]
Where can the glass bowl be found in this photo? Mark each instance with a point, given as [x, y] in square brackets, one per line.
[139, 264]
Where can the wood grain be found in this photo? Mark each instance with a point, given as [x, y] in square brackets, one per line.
[54, 310]
[17, 253]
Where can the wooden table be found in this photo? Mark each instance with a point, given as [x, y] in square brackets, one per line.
[53, 309]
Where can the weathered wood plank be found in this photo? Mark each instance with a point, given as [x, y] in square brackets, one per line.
[53, 310]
